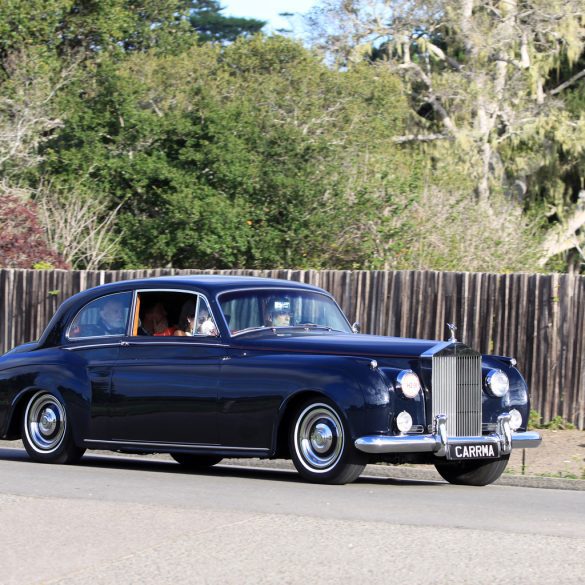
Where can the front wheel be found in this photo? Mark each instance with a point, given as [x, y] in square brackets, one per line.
[45, 431]
[320, 445]
[472, 472]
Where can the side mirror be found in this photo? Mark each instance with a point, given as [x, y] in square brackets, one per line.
[356, 327]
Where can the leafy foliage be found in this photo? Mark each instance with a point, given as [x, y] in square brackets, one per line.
[93, 27]
[558, 423]
[263, 158]
[211, 25]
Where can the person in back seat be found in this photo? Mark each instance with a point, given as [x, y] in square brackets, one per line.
[155, 322]
[186, 319]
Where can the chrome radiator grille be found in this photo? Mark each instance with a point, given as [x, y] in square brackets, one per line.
[457, 393]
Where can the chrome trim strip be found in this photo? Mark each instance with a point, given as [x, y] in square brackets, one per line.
[188, 341]
[139, 343]
[91, 346]
[437, 442]
[176, 445]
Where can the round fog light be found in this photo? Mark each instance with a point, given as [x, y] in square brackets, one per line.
[515, 419]
[404, 422]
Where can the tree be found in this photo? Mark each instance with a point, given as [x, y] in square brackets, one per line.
[211, 25]
[78, 225]
[476, 74]
[29, 115]
[255, 154]
[93, 28]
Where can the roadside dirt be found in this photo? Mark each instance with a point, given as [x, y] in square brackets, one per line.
[561, 454]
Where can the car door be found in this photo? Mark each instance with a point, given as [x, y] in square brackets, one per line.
[95, 345]
[164, 390]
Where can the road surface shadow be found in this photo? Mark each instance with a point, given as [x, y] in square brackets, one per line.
[150, 464]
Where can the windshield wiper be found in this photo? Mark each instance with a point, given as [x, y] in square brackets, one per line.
[315, 326]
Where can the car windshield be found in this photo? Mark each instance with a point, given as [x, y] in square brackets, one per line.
[255, 309]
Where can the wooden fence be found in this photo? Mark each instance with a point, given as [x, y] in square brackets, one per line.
[538, 319]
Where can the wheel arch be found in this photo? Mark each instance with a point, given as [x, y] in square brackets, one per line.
[291, 406]
[288, 410]
[17, 412]
[72, 407]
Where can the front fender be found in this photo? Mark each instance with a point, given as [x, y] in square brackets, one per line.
[517, 397]
[349, 382]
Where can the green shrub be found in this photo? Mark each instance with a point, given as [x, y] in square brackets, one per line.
[558, 423]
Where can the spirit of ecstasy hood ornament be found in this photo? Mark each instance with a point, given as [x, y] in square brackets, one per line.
[452, 329]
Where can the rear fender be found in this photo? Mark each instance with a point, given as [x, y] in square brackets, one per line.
[61, 383]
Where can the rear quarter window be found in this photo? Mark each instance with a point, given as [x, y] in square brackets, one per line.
[104, 317]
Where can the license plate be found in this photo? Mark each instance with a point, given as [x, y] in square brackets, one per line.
[473, 451]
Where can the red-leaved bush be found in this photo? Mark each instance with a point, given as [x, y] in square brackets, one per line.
[22, 239]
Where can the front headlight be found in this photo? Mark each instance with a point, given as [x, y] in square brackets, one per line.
[497, 383]
[409, 383]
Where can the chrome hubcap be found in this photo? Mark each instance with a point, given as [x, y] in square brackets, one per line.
[48, 422]
[45, 423]
[319, 438]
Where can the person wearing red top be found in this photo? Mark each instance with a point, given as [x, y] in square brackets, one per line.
[155, 322]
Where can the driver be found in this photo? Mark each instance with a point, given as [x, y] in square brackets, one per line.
[111, 318]
[278, 313]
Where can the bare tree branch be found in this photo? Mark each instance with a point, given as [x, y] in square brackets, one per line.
[27, 114]
[79, 226]
[564, 238]
[567, 83]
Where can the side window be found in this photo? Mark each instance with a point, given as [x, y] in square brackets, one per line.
[106, 316]
[172, 313]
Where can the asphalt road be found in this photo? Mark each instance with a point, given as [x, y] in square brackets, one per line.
[120, 520]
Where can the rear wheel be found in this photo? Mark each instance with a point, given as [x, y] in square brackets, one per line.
[472, 472]
[45, 431]
[195, 461]
[320, 445]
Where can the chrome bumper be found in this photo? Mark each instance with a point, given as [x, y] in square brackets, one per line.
[437, 442]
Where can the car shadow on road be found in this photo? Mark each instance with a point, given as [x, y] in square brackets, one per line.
[150, 464]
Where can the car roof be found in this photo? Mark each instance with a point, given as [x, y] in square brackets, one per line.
[208, 284]
[212, 284]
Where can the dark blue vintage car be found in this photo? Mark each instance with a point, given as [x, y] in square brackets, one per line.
[207, 367]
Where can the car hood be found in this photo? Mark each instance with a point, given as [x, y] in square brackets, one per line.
[339, 344]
